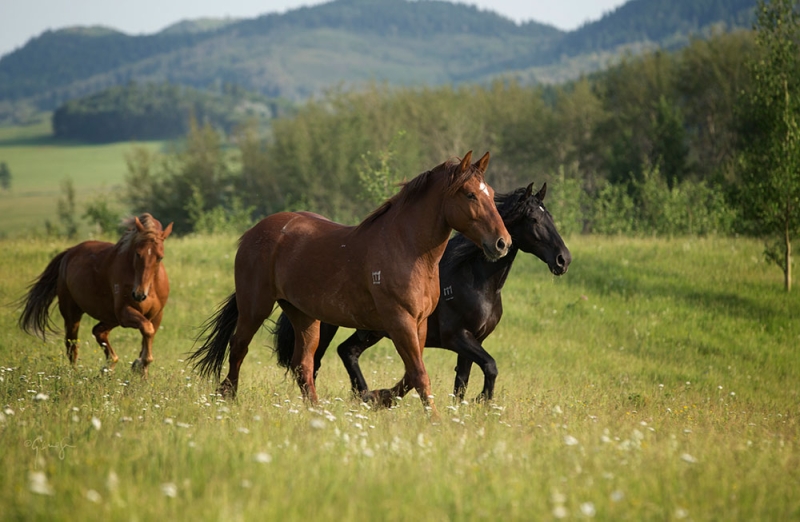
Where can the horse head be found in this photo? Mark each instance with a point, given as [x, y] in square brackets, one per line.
[148, 251]
[533, 230]
[470, 208]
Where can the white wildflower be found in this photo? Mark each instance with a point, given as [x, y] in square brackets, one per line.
[688, 458]
[169, 489]
[588, 509]
[96, 423]
[93, 496]
[37, 483]
[262, 458]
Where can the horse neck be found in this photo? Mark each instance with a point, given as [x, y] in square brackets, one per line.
[464, 259]
[496, 272]
[421, 223]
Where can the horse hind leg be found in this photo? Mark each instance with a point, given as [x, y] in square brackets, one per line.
[246, 328]
[306, 342]
[72, 322]
[100, 332]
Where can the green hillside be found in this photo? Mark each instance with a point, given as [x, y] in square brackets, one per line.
[349, 42]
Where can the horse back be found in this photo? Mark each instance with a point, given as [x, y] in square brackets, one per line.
[315, 264]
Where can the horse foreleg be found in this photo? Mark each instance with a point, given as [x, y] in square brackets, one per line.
[350, 350]
[470, 351]
[100, 332]
[131, 318]
[409, 343]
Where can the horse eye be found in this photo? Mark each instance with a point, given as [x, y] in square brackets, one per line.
[471, 195]
[159, 258]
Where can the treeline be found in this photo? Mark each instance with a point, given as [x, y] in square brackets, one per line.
[158, 111]
[646, 147]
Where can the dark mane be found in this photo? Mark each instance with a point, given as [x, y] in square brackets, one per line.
[411, 189]
[460, 249]
[131, 236]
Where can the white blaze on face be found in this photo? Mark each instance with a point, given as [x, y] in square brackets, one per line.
[483, 188]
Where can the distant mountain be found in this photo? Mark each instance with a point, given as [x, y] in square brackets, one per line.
[348, 42]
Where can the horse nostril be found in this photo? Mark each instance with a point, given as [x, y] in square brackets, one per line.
[501, 244]
[560, 261]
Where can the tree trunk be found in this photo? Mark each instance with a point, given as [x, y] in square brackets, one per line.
[787, 271]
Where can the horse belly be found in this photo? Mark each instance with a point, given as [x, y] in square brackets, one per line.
[84, 286]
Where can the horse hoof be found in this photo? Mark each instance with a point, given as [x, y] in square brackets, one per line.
[139, 367]
[227, 390]
[383, 398]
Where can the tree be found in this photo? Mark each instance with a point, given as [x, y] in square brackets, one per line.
[5, 176]
[770, 154]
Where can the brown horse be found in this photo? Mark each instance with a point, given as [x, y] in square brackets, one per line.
[382, 273]
[123, 284]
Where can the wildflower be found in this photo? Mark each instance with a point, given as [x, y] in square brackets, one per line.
[569, 440]
[262, 458]
[169, 489]
[317, 423]
[41, 397]
[688, 458]
[560, 512]
[243, 430]
[96, 423]
[93, 496]
[37, 483]
[112, 482]
[587, 508]
[617, 495]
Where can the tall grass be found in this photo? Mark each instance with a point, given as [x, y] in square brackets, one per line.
[658, 379]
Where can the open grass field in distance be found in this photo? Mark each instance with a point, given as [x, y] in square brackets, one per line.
[39, 164]
[657, 379]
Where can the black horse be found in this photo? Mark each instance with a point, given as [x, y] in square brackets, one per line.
[470, 305]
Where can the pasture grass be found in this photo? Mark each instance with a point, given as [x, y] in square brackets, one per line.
[39, 164]
[657, 379]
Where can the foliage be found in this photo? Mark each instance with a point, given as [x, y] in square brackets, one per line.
[5, 176]
[67, 224]
[180, 187]
[154, 112]
[379, 180]
[770, 153]
[100, 214]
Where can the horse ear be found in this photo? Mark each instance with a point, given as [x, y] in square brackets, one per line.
[528, 191]
[542, 192]
[465, 162]
[482, 163]
[167, 231]
[138, 224]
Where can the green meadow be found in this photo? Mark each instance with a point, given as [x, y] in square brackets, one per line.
[657, 380]
[39, 165]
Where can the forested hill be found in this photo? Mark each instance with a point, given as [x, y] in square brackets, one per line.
[345, 42]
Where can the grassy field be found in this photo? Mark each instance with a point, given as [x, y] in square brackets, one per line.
[658, 379]
[39, 164]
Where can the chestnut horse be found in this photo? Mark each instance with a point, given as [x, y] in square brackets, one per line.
[382, 274]
[123, 284]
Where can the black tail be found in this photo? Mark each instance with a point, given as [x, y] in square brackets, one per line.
[35, 318]
[283, 346]
[217, 332]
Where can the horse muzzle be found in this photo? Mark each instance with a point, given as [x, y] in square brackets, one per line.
[561, 264]
[138, 297]
[497, 250]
